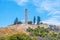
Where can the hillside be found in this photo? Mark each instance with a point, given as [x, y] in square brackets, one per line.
[14, 29]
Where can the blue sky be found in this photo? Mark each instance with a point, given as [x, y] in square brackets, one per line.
[48, 10]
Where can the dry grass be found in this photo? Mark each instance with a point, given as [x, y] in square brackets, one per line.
[14, 29]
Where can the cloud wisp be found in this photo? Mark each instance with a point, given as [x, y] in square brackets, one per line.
[51, 6]
[21, 2]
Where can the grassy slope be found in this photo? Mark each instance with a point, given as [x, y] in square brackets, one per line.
[14, 29]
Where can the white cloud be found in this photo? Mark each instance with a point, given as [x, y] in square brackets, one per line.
[54, 12]
[37, 2]
[49, 5]
[21, 2]
[52, 21]
[56, 16]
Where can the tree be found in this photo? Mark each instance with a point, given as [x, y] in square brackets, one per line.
[41, 22]
[16, 21]
[34, 20]
[52, 27]
[38, 20]
[29, 22]
[19, 22]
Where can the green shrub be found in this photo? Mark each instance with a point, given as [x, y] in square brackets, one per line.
[20, 37]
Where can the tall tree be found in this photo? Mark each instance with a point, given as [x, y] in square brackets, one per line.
[16, 21]
[34, 20]
[38, 20]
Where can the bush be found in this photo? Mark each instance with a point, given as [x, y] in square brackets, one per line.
[29, 29]
[20, 37]
[29, 22]
[19, 22]
[2, 38]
